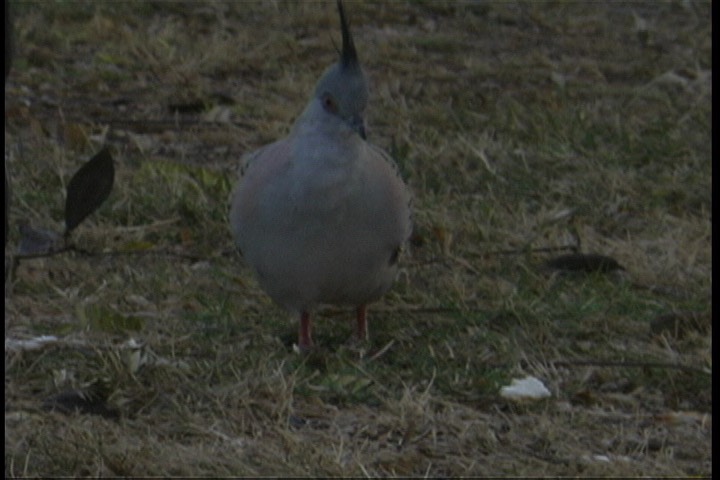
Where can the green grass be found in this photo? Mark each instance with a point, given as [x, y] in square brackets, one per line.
[519, 127]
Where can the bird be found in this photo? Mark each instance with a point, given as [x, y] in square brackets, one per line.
[322, 215]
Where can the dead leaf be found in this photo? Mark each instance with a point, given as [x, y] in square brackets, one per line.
[88, 188]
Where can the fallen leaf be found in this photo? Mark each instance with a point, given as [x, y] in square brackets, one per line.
[88, 188]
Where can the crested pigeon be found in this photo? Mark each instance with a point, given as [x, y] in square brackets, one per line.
[322, 215]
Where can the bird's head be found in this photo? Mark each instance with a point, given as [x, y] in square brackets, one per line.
[342, 90]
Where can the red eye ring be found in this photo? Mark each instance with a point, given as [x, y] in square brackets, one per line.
[329, 103]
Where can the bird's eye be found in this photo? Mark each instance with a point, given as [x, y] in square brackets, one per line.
[329, 104]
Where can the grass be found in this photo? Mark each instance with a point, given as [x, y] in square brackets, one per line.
[520, 128]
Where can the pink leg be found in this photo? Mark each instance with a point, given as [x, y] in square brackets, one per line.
[305, 338]
[362, 331]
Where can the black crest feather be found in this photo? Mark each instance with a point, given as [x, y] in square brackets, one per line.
[349, 56]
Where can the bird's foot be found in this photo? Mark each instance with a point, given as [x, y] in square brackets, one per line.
[305, 342]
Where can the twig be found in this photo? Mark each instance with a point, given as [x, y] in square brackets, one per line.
[627, 364]
[88, 253]
[481, 155]
[382, 351]
[662, 290]
[520, 251]
[532, 250]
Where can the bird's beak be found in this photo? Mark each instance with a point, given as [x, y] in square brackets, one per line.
[357, 123]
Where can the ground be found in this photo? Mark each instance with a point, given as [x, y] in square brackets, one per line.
[525, 131]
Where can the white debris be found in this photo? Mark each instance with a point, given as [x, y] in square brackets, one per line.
[527, 388]
[29, 344]
[600, 458]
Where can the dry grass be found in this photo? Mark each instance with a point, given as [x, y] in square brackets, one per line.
[519, 126]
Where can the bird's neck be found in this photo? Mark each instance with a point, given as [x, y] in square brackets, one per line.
[315, 121]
